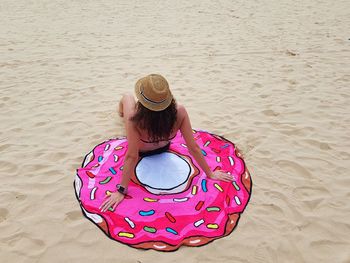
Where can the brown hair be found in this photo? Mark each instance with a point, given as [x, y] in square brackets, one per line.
[158, 124]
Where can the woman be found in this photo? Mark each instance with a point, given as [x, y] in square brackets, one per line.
[150, 124]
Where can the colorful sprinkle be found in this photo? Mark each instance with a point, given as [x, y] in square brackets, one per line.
[127, 196]
[194, 131]
[100, 158]
[218, 159]
[111, 209]
[150, 199]
[126, 234]
[213, 209]
[218, 187]
[106, 180]
[149, 229]
[198, 223]
[237, 200]
[236, 185]
[216, 150]
[90, 174]
[112, 170]
[217, 168]
[231, 160]
[199, 205]
[204, 152]
[207, 143]
[92, 194]
[170, 230]
[146, 213]
[170, 217]
[131, 223]
[212, 226]
[183, 145]
[116, 157]
[180, 199]
[118, 148]
[225, 146]
[89, 158]
[107, 147]
[108, 192]
[194, 190]
[95, 166]
[121, 168]
[227, 200]
[204, 185]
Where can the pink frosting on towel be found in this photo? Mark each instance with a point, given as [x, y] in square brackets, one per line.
[191, 213]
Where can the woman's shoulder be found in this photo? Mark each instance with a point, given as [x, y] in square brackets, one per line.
[181, 110]
[181, 113]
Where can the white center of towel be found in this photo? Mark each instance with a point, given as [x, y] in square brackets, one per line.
[165, 173]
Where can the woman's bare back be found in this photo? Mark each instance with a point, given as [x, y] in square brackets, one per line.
[127, 109]
[146, 145]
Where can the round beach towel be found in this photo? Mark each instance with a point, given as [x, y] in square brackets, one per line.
[170, 200]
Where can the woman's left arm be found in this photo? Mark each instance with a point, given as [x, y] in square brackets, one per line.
[130, 161]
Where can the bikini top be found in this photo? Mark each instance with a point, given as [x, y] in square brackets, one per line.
[158, 141]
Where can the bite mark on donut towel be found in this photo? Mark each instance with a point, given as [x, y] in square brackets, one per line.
[170, 202]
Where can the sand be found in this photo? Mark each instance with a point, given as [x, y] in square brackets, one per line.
[271, 76]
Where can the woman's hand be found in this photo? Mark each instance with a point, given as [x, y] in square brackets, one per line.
[113, 200]
[221, 175]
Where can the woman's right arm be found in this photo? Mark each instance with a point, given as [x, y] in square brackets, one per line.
[194, 149]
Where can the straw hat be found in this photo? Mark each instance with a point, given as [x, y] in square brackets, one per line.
[153, 92]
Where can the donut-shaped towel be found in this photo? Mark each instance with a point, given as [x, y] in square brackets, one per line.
[170, 201]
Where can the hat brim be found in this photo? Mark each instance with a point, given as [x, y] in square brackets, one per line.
[149, 105]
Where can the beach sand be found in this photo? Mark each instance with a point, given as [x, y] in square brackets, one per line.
[271, 76]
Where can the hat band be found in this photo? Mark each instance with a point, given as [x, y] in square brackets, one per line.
[148, 100]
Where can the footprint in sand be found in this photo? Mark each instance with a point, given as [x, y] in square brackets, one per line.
[4, 147]
[321, 145]
[314, 203]
[311, 193]
[24, 241]
[20, 196]
[263, 96]
[3, 214]
[295, 167]
[270, 113]
[73, 215]
[7, 167]
[41, 123]
[262, 254]
[257, 85]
